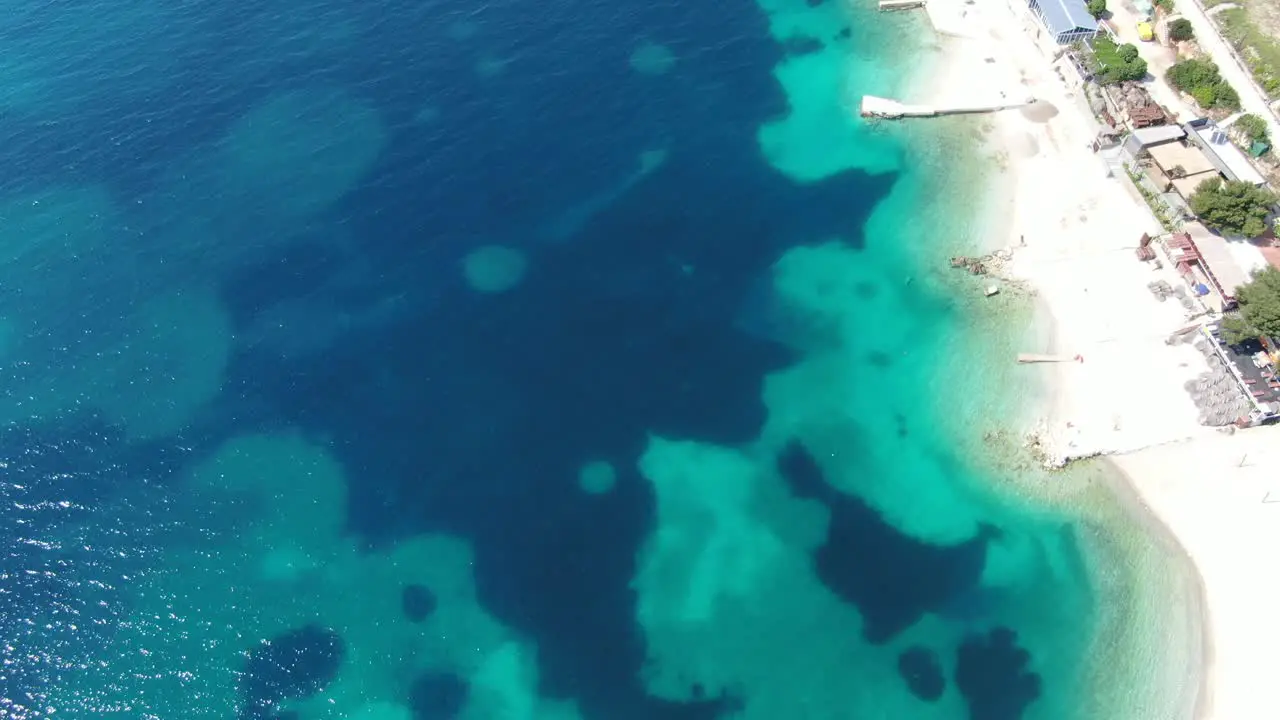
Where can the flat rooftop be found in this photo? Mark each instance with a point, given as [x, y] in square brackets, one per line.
[1159, 134]
[1235, 162]
[1221, 261]
[1187, 185]
[1175, 154]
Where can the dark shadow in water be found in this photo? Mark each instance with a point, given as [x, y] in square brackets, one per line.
[437, 696]
[417, 602]
[992, 674]
[291, 666]
[892, 578]
[475, 417]
[920, 670]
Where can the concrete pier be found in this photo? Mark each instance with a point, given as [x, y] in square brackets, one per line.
[1028, 358]
[886, 5]
[878, 107]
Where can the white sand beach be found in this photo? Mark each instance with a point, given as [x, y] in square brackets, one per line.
[1220, 497]
[1074, 226]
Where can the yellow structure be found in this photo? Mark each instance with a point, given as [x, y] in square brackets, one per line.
[1145, 32]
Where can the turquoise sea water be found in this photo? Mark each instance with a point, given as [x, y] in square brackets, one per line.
[419, 361]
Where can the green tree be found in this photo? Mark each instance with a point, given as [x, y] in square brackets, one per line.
[1116, 63]
[1201, 80]
[1234, 208]
[1097, 8]
[1259, 308]
[1205, 95]
[1253, 127]
[1193, 73]
[1180, 30]
[1225, 97]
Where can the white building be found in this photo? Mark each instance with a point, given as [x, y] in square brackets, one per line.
[1066, 20]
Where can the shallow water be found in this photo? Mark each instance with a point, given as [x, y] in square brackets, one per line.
[522, 361]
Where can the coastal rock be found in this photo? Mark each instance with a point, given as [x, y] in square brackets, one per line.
[991, 673]
[417, 602]
[921, 671]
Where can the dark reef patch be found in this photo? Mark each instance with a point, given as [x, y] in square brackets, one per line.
[892, 578]
[992, 674]
[921, 671]
[803, 45]
[291, 666]
[437, 696]
[493, 402]
[879, 359]
[473, 414]
[417, 602]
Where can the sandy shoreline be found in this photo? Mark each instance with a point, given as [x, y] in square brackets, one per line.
[1220, 499]
[1195, 693]
[1074, 222]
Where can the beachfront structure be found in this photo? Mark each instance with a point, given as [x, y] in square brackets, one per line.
[1179, 165]
[1226, 157]
[1170, 167]
[1177, 159]
[1248, 367]
[1208, 265]
[1067, 21]
[1147, 137]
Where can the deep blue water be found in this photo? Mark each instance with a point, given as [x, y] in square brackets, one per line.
[464, 412]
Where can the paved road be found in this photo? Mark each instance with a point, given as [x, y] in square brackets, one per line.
[1251, 98]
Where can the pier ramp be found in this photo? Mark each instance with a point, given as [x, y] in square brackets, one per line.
[878, 107]
[887, 5]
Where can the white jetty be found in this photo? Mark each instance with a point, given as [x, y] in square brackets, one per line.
[1029, 358]
[901, 4]
[878, 107]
